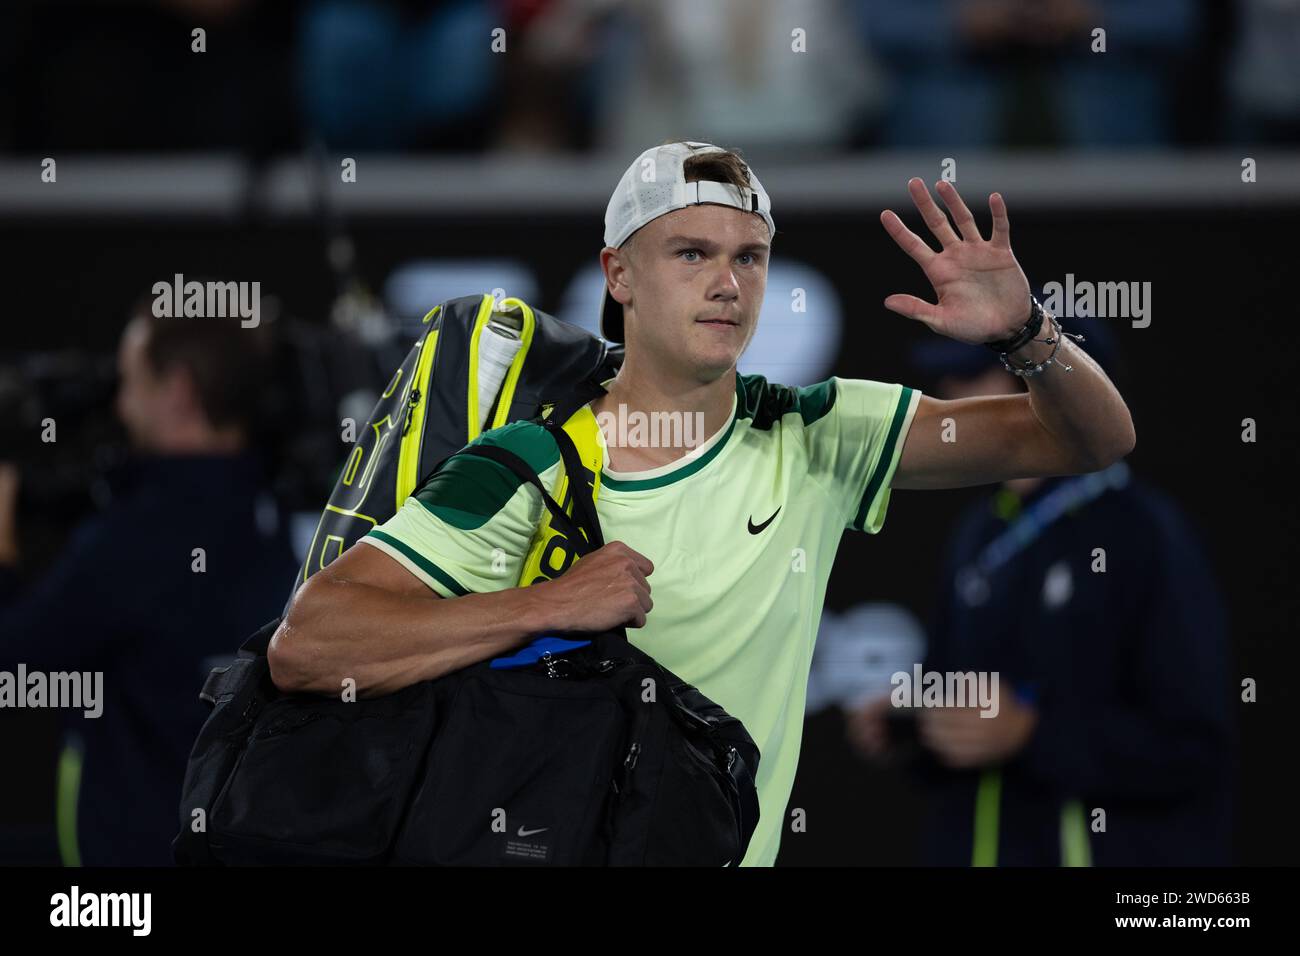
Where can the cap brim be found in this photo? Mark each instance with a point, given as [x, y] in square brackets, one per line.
[611, 318]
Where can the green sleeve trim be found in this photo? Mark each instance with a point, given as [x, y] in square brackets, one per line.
[420, 561]
[886, 460]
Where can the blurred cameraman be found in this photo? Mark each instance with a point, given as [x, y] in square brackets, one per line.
[188, 558]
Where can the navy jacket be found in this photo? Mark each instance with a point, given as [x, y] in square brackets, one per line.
[123, 599]
[1130, 673]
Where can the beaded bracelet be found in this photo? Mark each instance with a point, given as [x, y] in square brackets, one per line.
[1054, 340]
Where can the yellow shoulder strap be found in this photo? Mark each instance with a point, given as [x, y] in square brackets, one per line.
[550, 552]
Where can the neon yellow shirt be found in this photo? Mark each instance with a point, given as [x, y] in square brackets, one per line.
[735, 612]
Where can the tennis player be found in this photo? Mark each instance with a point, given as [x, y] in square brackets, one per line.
[739, 531]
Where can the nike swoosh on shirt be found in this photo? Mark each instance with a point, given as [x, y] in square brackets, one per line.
[523, 833]
[755, 529]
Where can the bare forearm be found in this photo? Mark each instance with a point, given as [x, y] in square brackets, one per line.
[1081, 408]
[384, 640]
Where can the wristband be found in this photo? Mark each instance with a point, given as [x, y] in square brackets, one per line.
[1028, 331]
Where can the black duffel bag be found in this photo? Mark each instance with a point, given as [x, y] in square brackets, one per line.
[589, 755]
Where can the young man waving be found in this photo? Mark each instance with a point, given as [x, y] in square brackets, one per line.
[739, 532]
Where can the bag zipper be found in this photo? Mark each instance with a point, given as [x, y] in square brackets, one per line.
[568, 667]
[411, 404]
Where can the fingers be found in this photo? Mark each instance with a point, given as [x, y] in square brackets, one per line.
[911, 307]
[961, 216]
[643, 564]
[906, 239]
[641, 604]
[867, 729]
[938, 223]
[956, 736]
[635, 571]
[641, 588]
[931, 213]
[1001, 224]
[637, 566]
[631, 573]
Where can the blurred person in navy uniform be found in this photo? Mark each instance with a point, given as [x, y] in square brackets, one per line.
[124, 596]
[1113, 684]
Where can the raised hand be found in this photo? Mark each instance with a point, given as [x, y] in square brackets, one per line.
[982, 293]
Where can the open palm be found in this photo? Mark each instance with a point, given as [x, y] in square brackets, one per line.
[982, 293]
